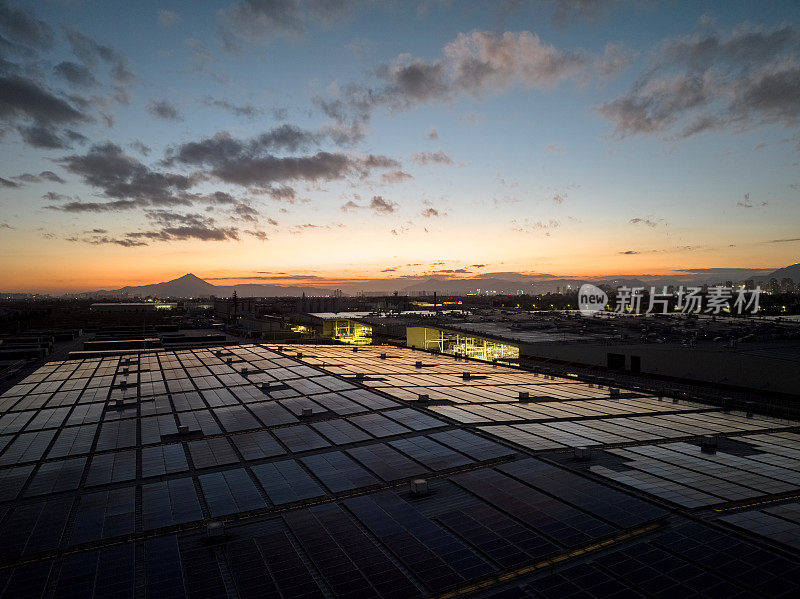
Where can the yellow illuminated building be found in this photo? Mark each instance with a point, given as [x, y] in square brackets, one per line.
[451, 342]
[348, 331]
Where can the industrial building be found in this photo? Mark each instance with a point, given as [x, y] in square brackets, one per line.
[376, 471]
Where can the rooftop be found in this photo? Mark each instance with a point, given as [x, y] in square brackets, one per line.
[255, 470]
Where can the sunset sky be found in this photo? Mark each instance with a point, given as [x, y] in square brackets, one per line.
[270, 140]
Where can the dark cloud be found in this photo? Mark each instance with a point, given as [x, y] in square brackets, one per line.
[250, 162]
[222, 147]
[8, 183]
[43, 136]
[24, 101]
[91, 52]
[22, 27]
[244, 110]
[164, 110]
[245, 212]
[260, 235]
[52, 196]
[643, 221]
[103, 239]
[478, 265]
[122, 177]
[629, 253]
[425, 158]
[75, 74]
[704, 82]
[282, 194]
[783, 240]
[179, 227]
[43, 176]
[379, 205]
[79, 206]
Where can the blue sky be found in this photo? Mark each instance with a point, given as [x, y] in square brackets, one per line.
[360, 140]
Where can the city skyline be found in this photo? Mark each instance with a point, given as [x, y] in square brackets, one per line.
[337, 141]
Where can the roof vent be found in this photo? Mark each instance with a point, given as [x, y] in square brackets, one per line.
[708, 443]
[355, 349]
[360, 376]
[215, 529]
[244, 371]
[299, 354]
[183, 429]
[265, 386]
[280, 348]
[466, 376]
[307, 412]
[229, 361]
[582, 454]
[613, 392]
[418, 364]
[383, 356]
[524, 395]
[419, 487]
[423, 397]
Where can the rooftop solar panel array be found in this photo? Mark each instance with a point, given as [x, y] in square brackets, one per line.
[305, 454]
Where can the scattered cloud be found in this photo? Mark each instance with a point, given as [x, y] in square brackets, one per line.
[395, 177]
[248, 111]
[43, 176]
[75, 74]
[476, 63]
[433, 133]
[167, 18]
[430, 213]
[125, 179]
[615, 60]
[52, 196]
[425, 158]
[531, 226]
[23, 28]
[8, 183]
[38, 115]
[264, 20]
[379, 205]
[643, 221]
[629, 252]
[710, 81]
[164, 110]
[250, 162]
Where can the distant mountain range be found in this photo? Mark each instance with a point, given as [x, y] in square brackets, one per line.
[190, 285]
